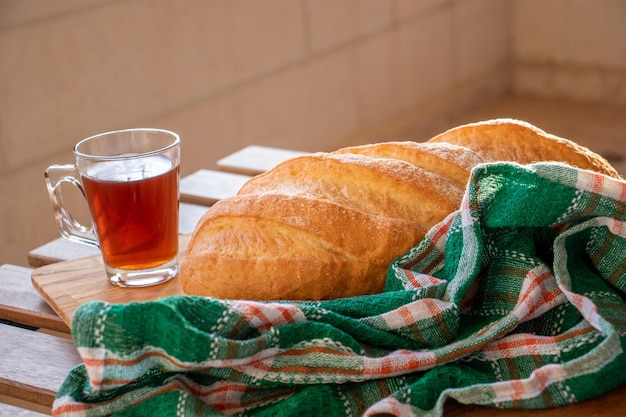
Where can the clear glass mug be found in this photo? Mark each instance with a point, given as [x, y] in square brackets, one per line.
[130, 179]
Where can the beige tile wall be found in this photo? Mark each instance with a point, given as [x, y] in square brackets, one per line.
[571, 48]
[305, 74]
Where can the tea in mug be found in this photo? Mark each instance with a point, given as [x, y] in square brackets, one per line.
[135, 211]
[130, 181]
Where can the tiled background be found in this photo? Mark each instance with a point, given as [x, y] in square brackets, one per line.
[302, 74]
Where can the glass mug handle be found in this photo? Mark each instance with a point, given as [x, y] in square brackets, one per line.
[69, 227]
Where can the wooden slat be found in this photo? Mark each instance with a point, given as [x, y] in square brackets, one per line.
[33, 364]
[61, 249]
[21, 303]
[57, 250]
[189, 216]
[15, 408]
[253, 159]
[206, 186]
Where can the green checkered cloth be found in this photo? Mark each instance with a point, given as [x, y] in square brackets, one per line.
[516, 300]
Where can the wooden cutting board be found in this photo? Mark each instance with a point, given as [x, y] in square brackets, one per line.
[67, 285]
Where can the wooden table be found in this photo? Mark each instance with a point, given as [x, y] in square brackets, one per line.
[36, 350]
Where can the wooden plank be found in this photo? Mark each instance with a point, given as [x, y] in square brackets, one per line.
[206, 186]
[34, 365]
[189, 216]
[21, 303]
[61, 249]
[16, 408]
[58, 250]
[67, 285]
[254, 159]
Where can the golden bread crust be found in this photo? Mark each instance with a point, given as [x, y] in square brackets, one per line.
[449, 161]
[327, 225]
[381, 186]
[518, 141]
[296, 255]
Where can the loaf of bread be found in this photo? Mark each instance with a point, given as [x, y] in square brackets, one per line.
[326, 225]
[521, 142]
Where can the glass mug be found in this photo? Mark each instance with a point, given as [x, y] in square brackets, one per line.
[130, 179]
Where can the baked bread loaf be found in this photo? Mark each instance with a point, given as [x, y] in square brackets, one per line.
[327, 225]
[519, 141]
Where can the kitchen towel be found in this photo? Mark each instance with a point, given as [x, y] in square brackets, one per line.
[516, 300]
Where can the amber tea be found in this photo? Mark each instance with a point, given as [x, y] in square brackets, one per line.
[135, 212]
